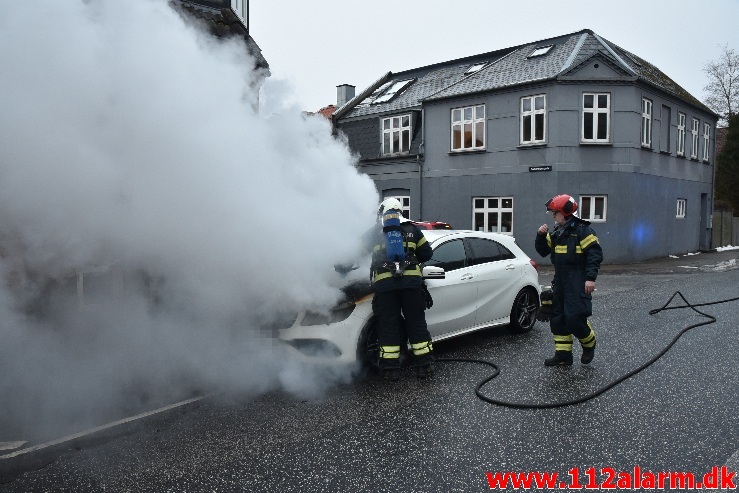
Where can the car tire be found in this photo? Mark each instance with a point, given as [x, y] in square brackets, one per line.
[368, 347]
[523, 312]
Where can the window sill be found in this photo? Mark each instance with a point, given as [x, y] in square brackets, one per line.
[391, 157]
[667, 153]
[535, 145]
[681, 156]
[471, 151]
[586, 143]
[646, 148]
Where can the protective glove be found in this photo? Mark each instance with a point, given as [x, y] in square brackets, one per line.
[544, 314]
[427, 296]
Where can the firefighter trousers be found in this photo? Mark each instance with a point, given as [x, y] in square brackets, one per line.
[400, 316]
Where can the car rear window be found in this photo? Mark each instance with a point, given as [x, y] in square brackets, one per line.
[483, 251]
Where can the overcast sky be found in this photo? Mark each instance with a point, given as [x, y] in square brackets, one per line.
[314, 46]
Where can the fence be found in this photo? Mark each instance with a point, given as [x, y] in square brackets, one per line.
[725, 229]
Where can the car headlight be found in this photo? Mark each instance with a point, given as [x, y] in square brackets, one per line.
[338, 313]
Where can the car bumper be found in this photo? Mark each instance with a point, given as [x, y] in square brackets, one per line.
[334, 343]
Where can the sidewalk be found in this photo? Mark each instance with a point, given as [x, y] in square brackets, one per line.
[711, 261]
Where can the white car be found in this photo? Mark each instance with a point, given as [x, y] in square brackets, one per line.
[477, 280]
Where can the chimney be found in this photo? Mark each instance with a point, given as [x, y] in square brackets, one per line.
[344, 93]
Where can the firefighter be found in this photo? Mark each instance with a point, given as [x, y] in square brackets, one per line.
[576, 256]
[399, 295]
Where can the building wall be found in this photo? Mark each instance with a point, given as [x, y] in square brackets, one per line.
[642, 185]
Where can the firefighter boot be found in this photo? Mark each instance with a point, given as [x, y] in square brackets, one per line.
[390, 363]
[588, 347]
[562, 351]
[560, 358]
[391, 374]
[424, 371]
[423, 354]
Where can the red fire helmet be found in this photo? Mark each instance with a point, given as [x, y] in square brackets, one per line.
[562, 203]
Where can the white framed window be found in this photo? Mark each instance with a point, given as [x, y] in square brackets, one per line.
[396, 134]
[533, 119]
[694, 136]
[706, 141]
[468, 128]
[646, 122]
[681, 206]
[405, 200]
[394, 89]
[596, 114]
[239, 8]
[492, 214]
[681, 134]
[594, 208]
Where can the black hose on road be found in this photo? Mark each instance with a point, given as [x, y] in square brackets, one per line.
[526, 405]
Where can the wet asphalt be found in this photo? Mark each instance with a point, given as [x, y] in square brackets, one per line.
[679, 414]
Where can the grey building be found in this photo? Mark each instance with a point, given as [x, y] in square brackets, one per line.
[227, 19]
[482, 142]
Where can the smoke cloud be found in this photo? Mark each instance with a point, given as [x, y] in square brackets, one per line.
[134, 168]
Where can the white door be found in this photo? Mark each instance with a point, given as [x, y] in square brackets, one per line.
[497, 278]
[455, 299]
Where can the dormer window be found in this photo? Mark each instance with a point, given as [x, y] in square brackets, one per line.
[475, 68]
[392, 91]
[541, 50]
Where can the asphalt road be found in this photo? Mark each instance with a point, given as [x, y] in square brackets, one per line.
[679, 414]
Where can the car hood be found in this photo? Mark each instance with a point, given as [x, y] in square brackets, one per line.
[355, 291]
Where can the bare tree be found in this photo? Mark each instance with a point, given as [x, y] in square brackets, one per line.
[722, 89]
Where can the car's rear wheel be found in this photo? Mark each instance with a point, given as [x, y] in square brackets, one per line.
[368, 348]
[523, 313]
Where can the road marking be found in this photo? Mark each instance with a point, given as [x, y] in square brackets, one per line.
[95, 430]
[10, 445]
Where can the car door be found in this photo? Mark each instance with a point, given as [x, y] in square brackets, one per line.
[497, 278]
[455, 295]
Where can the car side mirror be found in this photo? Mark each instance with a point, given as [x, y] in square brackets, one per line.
[433, 272]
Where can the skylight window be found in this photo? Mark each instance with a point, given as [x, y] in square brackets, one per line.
[542, 50]
[475, 68]
[394, 89]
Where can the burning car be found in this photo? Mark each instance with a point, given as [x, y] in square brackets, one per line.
[477, 280]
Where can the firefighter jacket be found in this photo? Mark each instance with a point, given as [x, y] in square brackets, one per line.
[417, 251]
[576, 253]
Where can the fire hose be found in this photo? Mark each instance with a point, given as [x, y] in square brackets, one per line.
[527, 405]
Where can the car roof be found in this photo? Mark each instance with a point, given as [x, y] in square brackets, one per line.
[433, 235]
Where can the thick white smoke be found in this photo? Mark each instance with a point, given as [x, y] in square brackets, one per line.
[129, 144]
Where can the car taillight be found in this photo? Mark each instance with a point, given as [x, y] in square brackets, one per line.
[533, 264]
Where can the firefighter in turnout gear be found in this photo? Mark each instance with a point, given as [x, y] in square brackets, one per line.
[399, 300]
[576, 256]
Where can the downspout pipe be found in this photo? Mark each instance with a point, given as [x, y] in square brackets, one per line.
[420, 160]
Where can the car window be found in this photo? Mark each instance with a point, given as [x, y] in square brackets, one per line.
[449, 255]
[483, 251]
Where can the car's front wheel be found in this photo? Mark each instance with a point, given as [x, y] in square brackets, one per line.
[523, 313]
[368, 347]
